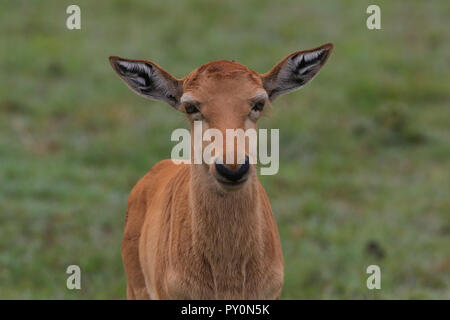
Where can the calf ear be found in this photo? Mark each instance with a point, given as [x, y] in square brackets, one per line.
[148, 80]
[295, 70]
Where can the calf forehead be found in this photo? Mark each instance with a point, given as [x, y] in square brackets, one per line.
[220, 75]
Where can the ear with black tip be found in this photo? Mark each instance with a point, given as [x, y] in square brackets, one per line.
[148, 80]
[295, 70]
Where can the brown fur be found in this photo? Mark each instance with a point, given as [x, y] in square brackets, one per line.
[187, 239]
[186, 235]
[192, 243]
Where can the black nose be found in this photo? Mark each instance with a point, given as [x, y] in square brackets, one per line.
[233, 175]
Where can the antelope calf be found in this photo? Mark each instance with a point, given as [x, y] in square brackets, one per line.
[207, 231]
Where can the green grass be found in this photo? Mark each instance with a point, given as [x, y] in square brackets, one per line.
[365, 153]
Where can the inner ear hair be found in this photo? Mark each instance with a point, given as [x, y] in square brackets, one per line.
[148, 80]
[295, 70]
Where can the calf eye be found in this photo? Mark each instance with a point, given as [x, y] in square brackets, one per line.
[190, 109]
[258, 106]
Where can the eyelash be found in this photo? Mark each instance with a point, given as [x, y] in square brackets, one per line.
[191, 109]
[258, 106]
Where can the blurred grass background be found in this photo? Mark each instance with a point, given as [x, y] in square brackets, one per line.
[365, 156]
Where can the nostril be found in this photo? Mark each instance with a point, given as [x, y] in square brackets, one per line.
[233, 175]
